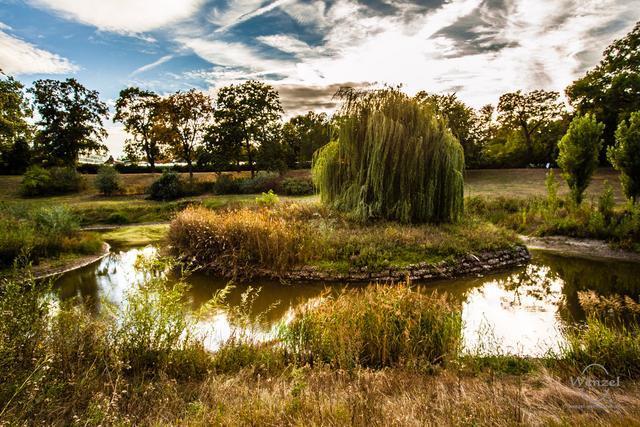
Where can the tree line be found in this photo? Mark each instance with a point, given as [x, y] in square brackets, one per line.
[242, 126]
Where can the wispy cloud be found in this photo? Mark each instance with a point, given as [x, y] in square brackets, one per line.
[152, 65]
[241, 11]
[21, 57]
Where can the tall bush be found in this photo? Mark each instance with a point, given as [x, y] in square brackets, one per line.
[625, 155]
[392, 159]
[168, 187]
[108, 180]
[579, 150]
[43, 182]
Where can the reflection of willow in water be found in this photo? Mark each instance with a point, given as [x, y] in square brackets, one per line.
[514, 314]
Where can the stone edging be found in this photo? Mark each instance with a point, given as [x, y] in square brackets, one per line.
[468, 265]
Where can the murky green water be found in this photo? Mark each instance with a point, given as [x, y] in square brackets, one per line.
[522, 311]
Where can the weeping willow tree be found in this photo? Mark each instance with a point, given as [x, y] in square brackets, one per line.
[392, 159]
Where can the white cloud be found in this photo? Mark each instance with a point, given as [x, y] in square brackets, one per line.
[286, 43]
[21, 57]
[152, 65]
[124, 16]
[234, 55]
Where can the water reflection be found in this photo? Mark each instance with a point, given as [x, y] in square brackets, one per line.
[523, 311]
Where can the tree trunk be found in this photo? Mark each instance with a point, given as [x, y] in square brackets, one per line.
[190, 165]
[250, 157]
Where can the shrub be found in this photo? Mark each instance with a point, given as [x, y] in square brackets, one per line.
[625, 155]
[58, 180]
[35, 182]
[118, 218]
[261, 183]
[296, 187]
[108, 180]
[376, 327]
[393, 159]
[65, 180]
[578, 153]
[168, 187]
[226, 184]
[606, 201]
[267, 199]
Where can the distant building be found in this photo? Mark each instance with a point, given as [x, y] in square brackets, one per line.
[92, 159]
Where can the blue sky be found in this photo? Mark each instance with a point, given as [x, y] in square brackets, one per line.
[308, 48]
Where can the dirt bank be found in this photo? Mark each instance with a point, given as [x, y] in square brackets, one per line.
[583, 248]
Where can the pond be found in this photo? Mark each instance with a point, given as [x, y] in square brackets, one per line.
[521, 311]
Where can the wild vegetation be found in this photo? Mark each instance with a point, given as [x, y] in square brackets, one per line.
[280, 236]
[143, 364]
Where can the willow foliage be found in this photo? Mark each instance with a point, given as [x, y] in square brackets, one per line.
[392, 159]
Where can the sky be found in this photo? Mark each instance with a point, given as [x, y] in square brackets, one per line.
[307, 49]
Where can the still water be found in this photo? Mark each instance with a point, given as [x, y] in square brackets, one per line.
[522, 311]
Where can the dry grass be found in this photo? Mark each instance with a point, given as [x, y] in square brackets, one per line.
[238, 241]
[362, 398]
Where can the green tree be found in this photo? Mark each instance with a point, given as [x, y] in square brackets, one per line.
[625, 155]
[611, 90]
[184, 119]
[304, 134]
[578, 153]
[70, 120]
[245, 114]
[461, 119]
[393, 159]
[137, 110]
[14, 111]
[15, 131]
[531, 114]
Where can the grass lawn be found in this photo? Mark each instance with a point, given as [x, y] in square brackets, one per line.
[530, 182]
[135, 208]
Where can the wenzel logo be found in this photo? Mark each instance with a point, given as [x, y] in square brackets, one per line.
[596, 377]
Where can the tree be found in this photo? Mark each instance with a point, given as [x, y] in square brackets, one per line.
[579, 150]
[272, 154]
[611, 90]
[137, 110]
[393, 159]
[625, 155]
[15, 131]
[304, 134]
[245, 114]
[530, 113]
[184, 118]
[70, 120]
[461, 119]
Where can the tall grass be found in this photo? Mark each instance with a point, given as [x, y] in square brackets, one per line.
[610, 336]
[239, 241]
[376, 327]
[392, 159]
[26, 235]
